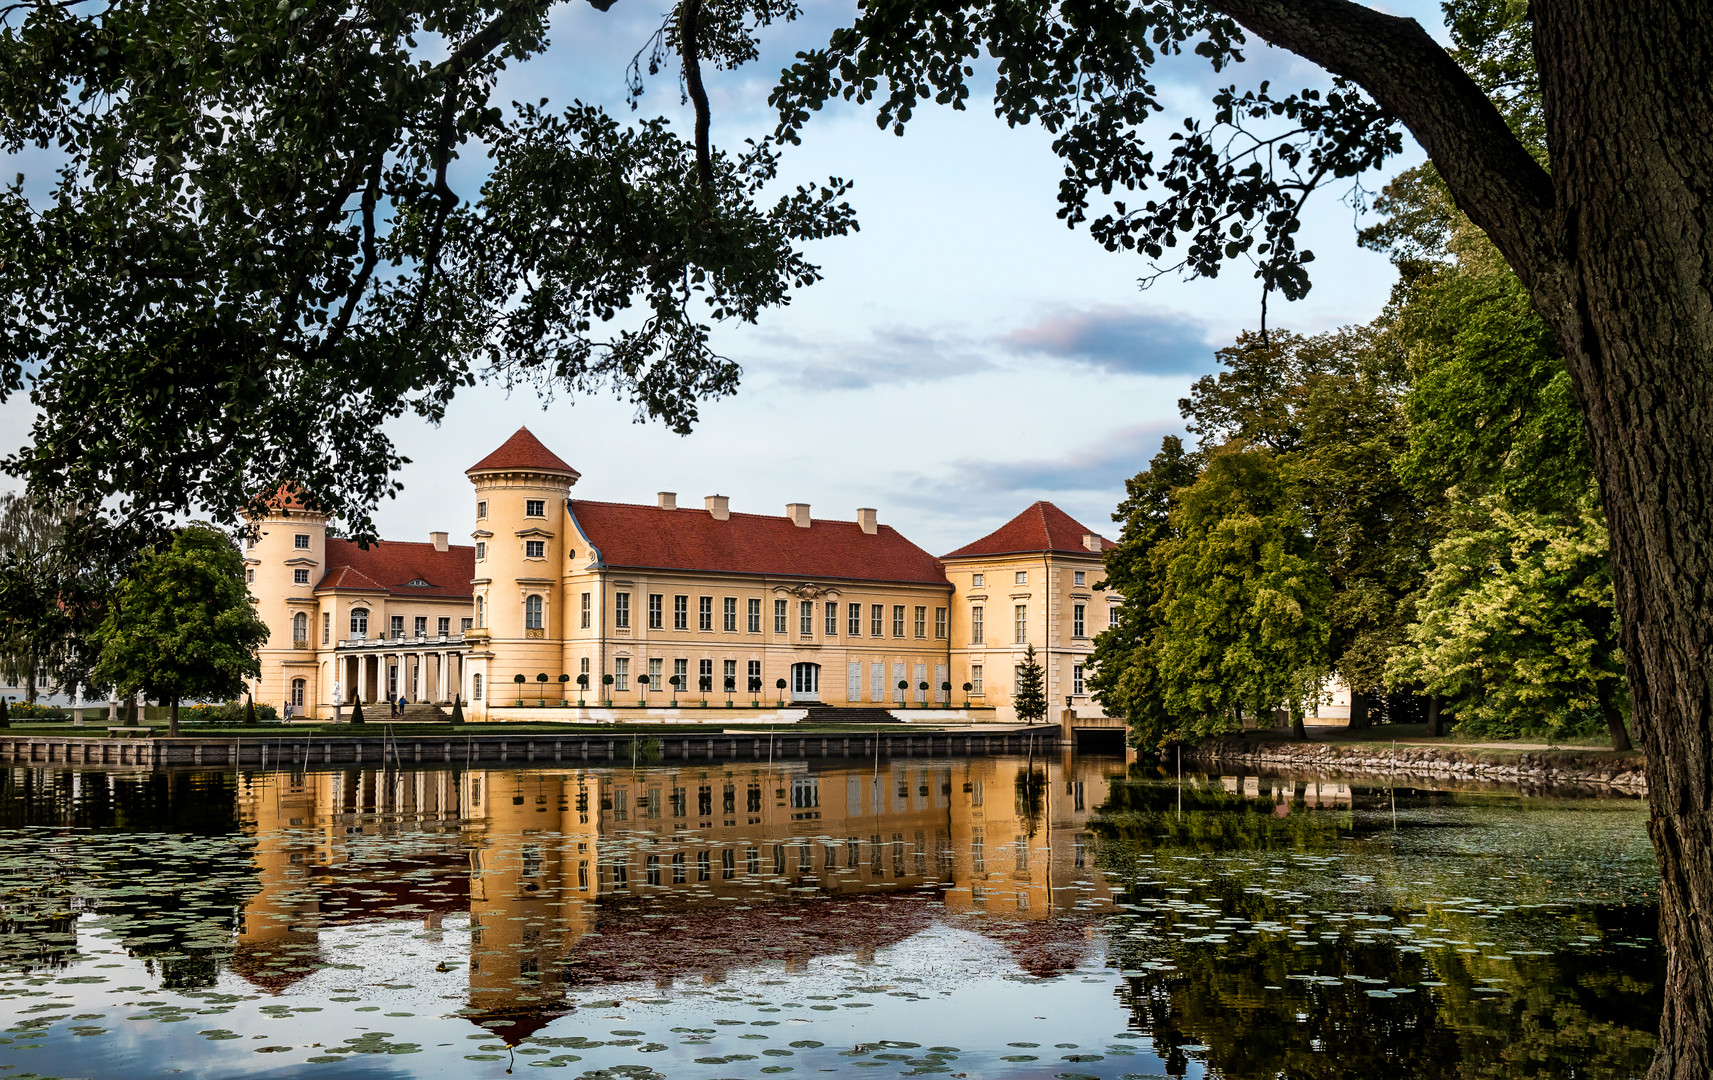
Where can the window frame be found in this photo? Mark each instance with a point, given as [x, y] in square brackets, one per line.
[752, 612]
[300, 575]
[705, 614]
[587, 611]
[832, 610]
[1022, 578]
[535, 508]
[1079, 620]
[656, 616]
[535, 549]
[898, 620]
[300, 542]
[853, 622]
[806, 618]
[621, 611]
[877, 620]
[781, 617]
[534, 608]
[975, 678]
[729, 614]
[1020, 624]
[942, 624]
[481, 550]
[919, 621]
[680, 611]
[978, 627]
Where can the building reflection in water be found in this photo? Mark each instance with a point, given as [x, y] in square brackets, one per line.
[579, 877]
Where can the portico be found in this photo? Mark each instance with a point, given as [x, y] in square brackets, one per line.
[419, 670]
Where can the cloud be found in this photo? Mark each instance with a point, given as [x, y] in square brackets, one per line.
[1119, 340]
[890, 356]
[976, 496]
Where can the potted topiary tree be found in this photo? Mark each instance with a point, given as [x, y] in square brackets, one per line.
[564, 698]
[904, 693]
[677, 683]
[755, 690]
[704, 683]
[946, 689]
[731, 684]
[967, 688]
[582, 687]
[520, 678]
[923, 696]
[642, 691]
[779, 684]
[541, 692]
[606, 688]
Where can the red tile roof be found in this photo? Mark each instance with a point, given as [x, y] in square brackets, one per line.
[523, 451]
[647, 537]
[388, 565]
[1042, 527]
[287, 496]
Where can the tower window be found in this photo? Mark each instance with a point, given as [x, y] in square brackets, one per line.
[535, 508]
[481, 549]
[300, 541]
[532, 613]
[481, 508]
[300, 577]
[535, 549]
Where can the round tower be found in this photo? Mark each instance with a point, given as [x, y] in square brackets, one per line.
[520, 535]
[284, 559]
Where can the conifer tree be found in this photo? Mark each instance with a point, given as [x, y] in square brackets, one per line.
[1030, 700]
[457, 709]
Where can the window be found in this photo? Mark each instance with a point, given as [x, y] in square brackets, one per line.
[779, 617]
[326, 627]
[481, 508]
[464, 625]
[1076, 678]
[978, 580]
[704, 613]
[832, 618]
[921, 624]
[420, 626]
[300, 576]
[704, 674]
[729, 677]
[481, 611]
[1112, 615]
[975, 624]
[621, 673]
[898, 620]
[703, 871]
[854, 620]
[585, 614]
[1022, 627]
[680, 613]
[300, 628]
[655, 601]
[535, 549]
[300, 541]
[1078, 625]
[621, 610]
[728, 861]
[298, 686]
[1080, 577]
[876, 620]
[655, 682]
[806, 617]
[443, 626]
[535, 508]
[396, 625]
[583, 666]
[729, 614]
[678, 868]
[481, 550]
[532, 613]
[681, 672]
[975, 679]
[755, 669]
[475, 688]
[755, 616]
[249, 577]
[653, 873]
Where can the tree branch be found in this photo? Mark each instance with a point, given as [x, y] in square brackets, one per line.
[1491, 176]
[690, 15]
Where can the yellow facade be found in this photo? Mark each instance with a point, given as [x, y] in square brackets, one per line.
[850, 611]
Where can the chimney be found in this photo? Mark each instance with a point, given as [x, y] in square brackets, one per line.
[718, 506]
[438, 539]
[866, 518]
[1091, 541]
[798, 513]
[667, 500]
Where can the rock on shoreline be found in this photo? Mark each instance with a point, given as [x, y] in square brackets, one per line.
[1620, 771]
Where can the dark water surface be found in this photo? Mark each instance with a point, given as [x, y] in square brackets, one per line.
[997, 917]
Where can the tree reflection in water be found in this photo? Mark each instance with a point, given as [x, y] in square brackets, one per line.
[1287, 928]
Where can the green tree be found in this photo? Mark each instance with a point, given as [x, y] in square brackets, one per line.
[181, 625]
[1517, 627]
[1243, 623]
[1125, 677]
[52, 585]
[1030, 697]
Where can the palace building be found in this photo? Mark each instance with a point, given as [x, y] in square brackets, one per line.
[661, 605]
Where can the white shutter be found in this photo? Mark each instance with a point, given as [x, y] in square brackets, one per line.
[877, 682]
[916, 683]
[853, 687]
[897, 676]
[941, 695]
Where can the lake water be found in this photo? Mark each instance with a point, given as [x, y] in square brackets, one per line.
[995, 917]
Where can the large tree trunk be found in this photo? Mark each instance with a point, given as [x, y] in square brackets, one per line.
[172, 718]
[1435, 718]
[1614, 717]
[1615, 244]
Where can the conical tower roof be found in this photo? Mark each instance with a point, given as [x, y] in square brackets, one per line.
[523, 451]
[1042, 527]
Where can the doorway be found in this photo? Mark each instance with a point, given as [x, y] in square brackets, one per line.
[805, 682]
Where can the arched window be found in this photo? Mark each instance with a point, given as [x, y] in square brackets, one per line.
[300, 629]
[481, 611]
[532, 613]
[359, 623]
[475, 688]
[297, 690]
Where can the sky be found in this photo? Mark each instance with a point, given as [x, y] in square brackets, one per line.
[965, 355]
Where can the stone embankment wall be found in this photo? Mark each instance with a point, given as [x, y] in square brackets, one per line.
[1620, 771]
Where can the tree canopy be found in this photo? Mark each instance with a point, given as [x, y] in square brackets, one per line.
[180, 624]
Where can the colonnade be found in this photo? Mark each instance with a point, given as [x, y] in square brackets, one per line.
[422, 675]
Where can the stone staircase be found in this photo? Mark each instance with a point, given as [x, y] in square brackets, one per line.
[828, 714]
[420, 712]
